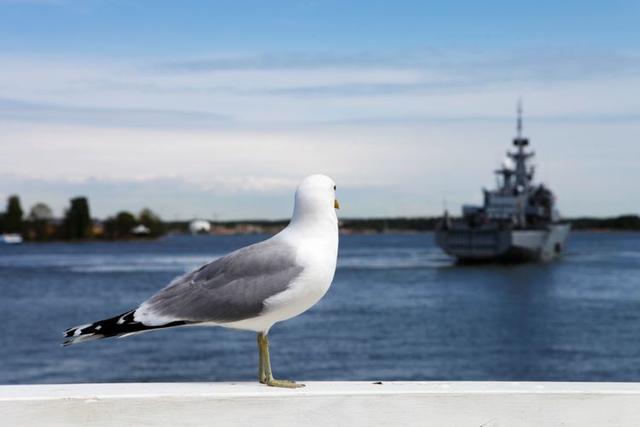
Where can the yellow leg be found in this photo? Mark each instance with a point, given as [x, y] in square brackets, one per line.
[265, 375]
[262, 376]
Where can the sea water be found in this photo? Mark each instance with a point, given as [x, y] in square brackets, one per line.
[398, 309]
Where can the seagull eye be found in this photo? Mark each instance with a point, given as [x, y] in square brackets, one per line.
[334, 188]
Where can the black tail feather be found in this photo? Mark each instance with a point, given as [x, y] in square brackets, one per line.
[121, 325]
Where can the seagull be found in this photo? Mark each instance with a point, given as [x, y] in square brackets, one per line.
[250, 289]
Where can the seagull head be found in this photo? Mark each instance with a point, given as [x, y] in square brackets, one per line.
[316, 199]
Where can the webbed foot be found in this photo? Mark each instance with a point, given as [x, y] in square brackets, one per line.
[282, 383]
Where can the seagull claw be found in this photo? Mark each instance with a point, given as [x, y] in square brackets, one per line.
[272, 382]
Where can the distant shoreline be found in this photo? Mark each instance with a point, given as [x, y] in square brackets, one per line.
[351, 226]
[272, 232]
[397, 225]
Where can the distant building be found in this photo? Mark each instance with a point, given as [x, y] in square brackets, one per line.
[10, 238]
[199, 226]
[140, 230]
[97, 228]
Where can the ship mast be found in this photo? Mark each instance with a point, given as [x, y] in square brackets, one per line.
[519, 123]
[523, 175]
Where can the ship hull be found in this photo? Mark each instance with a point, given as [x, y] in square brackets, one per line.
[469, 245]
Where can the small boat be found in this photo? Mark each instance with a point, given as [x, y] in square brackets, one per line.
[10, 238]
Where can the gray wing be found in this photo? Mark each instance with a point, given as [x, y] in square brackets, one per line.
[228, 289]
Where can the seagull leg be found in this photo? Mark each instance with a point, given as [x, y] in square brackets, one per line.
[265, 375]
[262, 375]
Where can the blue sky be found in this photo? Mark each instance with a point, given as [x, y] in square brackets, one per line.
[202, 108]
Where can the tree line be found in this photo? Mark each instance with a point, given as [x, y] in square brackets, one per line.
[76, 224]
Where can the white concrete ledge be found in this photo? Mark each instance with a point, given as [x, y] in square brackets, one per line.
[488, 404]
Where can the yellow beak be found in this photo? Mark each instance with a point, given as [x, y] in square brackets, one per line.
[336, 204]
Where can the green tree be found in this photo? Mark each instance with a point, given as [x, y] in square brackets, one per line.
[125, 221]
[40, 212]
[153, 222]
[13, 216]
[39, 218]
[77, 219]
[120, 226]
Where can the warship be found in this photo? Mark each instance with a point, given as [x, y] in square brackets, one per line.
[517, 222]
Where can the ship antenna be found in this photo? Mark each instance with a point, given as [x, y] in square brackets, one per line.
[519, 123]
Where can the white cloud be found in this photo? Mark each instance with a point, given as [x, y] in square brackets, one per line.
[399, 134]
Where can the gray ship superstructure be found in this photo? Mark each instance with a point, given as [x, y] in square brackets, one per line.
[517, 222]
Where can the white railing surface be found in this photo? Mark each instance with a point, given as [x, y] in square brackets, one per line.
[488, 404]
